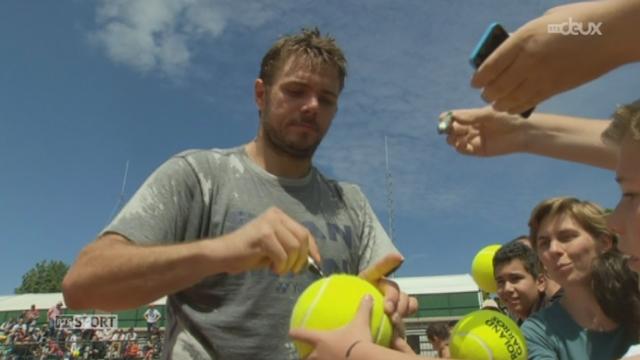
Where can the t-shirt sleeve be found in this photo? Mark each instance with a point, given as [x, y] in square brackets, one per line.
[158, 213]
[375, 243]
[539, 345]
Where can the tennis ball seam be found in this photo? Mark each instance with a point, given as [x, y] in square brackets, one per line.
[316, 299]
[380, 326]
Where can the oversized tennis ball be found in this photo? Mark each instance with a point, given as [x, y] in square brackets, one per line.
[332, 302]
[487, 335]
[482, 268]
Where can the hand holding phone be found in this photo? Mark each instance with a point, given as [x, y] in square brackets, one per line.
[491, 39]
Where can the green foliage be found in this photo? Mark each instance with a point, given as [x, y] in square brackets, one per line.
[44, 277]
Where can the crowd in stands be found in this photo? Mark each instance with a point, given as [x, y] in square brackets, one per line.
[23, 338]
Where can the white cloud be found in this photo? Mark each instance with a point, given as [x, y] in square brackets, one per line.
[402, 100]
[159, 35]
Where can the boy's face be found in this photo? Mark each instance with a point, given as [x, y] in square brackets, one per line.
[436, 342]
[517, 288]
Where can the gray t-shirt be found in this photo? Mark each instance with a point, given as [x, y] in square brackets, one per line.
[207, 193]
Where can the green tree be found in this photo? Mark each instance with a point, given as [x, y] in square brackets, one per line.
[44, 277]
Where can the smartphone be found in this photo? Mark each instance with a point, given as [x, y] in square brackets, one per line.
[491, 39]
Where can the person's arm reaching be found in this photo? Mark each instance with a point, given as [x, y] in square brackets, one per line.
[486, 132]
[113, 274]
[537, 61]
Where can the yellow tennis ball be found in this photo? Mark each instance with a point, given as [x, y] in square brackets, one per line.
[482, 268]
[487, 335]
[332, 302]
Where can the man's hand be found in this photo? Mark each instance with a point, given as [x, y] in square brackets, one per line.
[273, 239]
[397, 304]
[485, 132]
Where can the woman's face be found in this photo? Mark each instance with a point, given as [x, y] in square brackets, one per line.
[625, 219]
[567, 250]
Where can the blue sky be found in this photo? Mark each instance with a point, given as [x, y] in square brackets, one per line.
[86, 86]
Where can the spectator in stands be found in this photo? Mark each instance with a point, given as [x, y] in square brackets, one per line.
[123, 335]
[104, 334]
[31, 316]
[19, 326]
[54, 349]
[73, 342]
[52, 314]
[35, 335]
[90, 350]
[114, 350]
[132, 350]
[118, 335]
[152, 316]
[7, 325]
[87, 334]
[20, 332]
[99, 342]
[131, 335]
[149, 348]
[438, 335]
[156, 342]
[521, 282]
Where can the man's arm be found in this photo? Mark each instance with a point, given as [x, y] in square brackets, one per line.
[114, 274]
[485, 132]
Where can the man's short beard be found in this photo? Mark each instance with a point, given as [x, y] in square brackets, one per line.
[275, 142]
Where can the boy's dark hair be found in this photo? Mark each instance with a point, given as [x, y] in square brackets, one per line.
[438, 330]
[517, 250]
[523, 239]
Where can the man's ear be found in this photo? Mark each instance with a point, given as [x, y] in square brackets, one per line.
[259, 89]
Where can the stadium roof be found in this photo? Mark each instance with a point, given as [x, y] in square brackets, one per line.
[41, 301]
[442, 284]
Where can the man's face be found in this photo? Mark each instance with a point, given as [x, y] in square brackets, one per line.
[625, 219]
[298, 107]
[517, 288]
